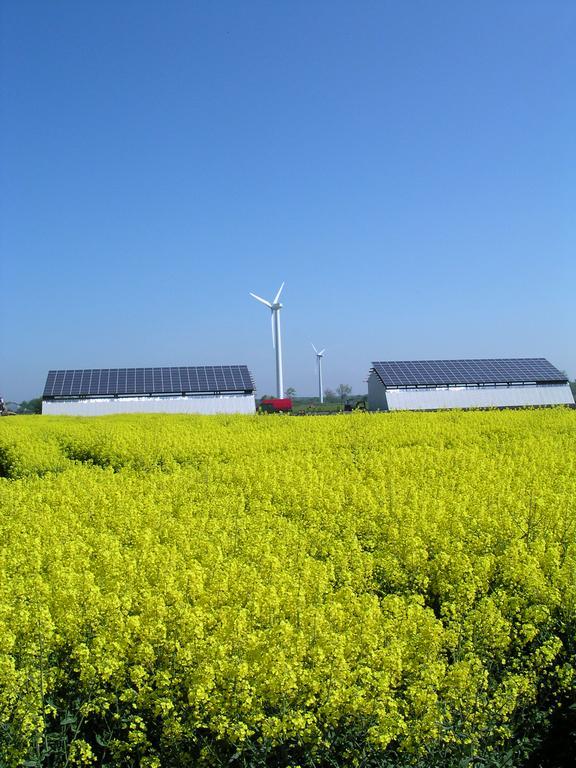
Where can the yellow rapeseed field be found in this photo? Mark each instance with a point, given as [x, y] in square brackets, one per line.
[366, 589]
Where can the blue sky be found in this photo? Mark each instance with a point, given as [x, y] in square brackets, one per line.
[406, 167]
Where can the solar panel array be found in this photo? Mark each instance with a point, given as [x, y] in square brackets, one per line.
[413, 373]
[148, 381]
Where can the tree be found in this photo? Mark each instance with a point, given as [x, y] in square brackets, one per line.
[343, 391]
[31, 406]
[290, 392]
[330, 395]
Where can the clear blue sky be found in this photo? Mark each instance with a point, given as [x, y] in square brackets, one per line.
[408, 168]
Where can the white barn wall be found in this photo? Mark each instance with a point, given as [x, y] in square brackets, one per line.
[105, 406]
[480, 397]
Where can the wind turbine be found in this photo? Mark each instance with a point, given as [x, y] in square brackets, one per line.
[319, 356]
[275, 306]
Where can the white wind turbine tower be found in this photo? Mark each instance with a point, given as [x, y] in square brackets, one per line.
[275, 306]
[319, 356]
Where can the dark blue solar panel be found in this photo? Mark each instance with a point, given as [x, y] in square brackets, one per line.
[50, 383]
[148, 381]
[413, 373]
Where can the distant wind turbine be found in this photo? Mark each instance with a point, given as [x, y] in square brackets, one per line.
[319, 356]
[275, 306]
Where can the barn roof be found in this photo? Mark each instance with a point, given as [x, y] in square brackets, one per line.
[414, 373]
[194, 380]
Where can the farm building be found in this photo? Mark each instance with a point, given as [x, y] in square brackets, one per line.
[428, 385]
[198, 389]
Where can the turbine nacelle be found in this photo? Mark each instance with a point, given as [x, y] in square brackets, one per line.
[273, 305]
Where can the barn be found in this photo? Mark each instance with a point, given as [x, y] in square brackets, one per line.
[429, 385]
[192, 389]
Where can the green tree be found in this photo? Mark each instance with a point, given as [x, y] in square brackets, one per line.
[31, 406]
[290, 392]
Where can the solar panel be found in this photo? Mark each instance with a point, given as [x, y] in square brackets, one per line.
[413, 373]
[148, 381]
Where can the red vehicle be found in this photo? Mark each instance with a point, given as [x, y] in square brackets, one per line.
[276, 405]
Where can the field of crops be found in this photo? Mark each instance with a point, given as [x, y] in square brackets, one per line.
[361, 590]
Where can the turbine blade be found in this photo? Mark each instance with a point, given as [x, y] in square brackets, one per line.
[322, 352]
[259, 298]
[314, 348]
[278, 294]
